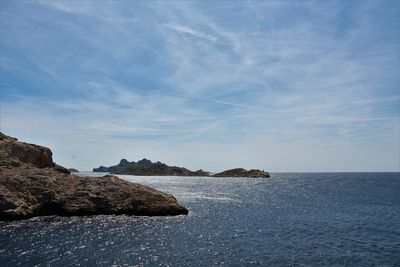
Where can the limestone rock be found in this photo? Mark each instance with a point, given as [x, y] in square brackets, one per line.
[35, 155]
[31, 184]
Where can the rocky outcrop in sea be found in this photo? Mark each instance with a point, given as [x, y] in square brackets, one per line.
[147, 167]
[240, 172]
[31, 184]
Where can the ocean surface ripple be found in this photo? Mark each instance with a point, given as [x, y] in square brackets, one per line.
[292, 219]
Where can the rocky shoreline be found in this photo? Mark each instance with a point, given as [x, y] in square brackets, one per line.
[31, 184]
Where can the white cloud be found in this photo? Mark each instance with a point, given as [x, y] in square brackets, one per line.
[182, 83]
[188, 30]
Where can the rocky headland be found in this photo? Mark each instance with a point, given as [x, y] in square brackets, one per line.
[146, 167]
[31, 184]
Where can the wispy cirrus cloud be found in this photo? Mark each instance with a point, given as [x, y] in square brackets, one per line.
[256, 84]
[190, 31]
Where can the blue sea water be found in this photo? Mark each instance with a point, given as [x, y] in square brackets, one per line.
[291, 219]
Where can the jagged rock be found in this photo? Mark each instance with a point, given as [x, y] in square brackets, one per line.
[35, 155]
[240, 172]
[31, 184]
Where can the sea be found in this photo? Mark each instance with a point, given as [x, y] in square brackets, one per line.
[290, 219]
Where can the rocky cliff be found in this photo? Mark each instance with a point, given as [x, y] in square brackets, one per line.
[31, 184]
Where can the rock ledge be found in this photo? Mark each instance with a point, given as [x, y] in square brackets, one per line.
[31, 184]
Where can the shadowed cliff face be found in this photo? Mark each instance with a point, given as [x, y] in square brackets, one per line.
[31, 184]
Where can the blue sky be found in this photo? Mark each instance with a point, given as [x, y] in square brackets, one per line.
[275, 85]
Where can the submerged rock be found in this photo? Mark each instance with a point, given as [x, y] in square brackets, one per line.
[31, 184]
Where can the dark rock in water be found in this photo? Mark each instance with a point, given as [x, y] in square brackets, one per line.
[31, 184]
[240, 172]
[201, 173]
[101, 169]
[71, 170]
[147, 167]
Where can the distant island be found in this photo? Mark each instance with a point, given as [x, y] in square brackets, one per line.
[146, 167]
[240, 172]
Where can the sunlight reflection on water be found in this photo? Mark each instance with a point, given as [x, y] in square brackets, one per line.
[290, 219]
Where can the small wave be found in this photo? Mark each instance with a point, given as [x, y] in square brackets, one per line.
[192, 196]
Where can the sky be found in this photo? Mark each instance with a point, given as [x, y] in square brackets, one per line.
[284, 86]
